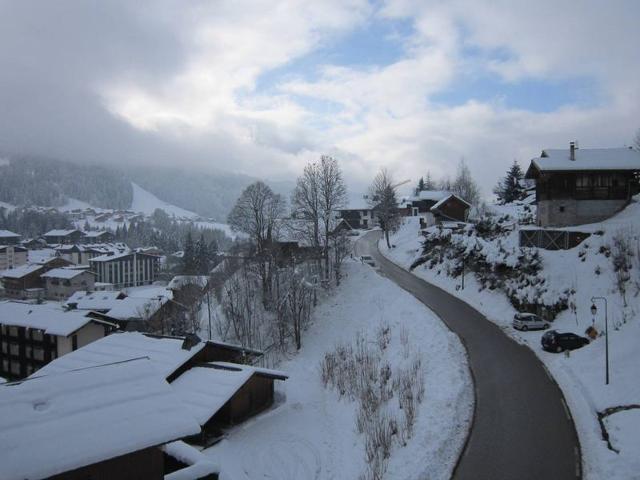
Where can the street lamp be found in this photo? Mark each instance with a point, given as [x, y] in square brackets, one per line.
[594, 310]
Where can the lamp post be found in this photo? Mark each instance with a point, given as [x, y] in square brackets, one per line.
[594, 310]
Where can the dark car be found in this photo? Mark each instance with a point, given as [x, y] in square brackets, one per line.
[554, 341]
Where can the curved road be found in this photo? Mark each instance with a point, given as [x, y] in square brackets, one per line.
[522, 428]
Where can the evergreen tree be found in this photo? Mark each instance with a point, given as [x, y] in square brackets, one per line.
[510, 187]
[203, 260]
[189, 265]
[429, 183]
[420, 187]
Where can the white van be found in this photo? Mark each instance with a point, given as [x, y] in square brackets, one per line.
[529, 321]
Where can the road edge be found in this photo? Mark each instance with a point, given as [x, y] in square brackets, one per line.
[580, 460]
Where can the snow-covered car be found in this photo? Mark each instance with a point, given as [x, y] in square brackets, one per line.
[553, 341]
[529, 321]
[368, 259]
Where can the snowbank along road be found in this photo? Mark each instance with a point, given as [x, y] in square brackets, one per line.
[522, 428]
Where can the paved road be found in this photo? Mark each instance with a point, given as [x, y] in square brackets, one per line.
[522, 428]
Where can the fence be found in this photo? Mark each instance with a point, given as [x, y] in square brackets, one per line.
[551, 239]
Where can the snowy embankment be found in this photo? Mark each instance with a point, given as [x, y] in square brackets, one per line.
[311, 432]
[587, 270]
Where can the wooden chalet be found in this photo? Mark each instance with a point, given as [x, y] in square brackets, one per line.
[579, 186]
[67, 237]
[451, 208]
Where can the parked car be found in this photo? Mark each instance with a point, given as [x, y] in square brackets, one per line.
[554, 341]
[368, 259]
[529, 321]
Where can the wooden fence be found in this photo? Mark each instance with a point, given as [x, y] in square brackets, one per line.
[551, 239]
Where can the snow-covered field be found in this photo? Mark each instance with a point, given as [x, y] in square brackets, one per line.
[311, 432]
[581, 375]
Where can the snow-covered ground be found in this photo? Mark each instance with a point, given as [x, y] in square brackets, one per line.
[581, 375]
[311, 432]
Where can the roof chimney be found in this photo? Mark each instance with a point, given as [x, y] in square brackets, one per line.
[190, 341]
[572, 151]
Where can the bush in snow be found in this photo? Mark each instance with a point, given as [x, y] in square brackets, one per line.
[621, 258]
[360, 372]
[483, 249]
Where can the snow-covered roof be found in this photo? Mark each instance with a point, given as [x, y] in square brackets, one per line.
[588, 159]
[49, 317]
[96, 234]
[103, 300]
[204, 390]
[199, 464]
[116, 256]
[8, 234]
[434, 195]
[21, 270]
[180, 281]
[166, 354]
[60, 233]
[56, 423]
[137, 308]
[64, 273]
[446, 199]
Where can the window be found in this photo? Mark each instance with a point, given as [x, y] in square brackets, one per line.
[13, 331]
[38, 354]
[561, 208]
[14, 349]
[5, 365]
[5, 347]
[15, 368]
[27, 352]
[74, 342]
[36, 335]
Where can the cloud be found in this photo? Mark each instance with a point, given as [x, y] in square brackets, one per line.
[181, 82]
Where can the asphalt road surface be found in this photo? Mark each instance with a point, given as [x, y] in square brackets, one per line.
[522, 428]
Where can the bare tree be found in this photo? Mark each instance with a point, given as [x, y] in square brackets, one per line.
[464, 186]
[257, 213]
[383, 199]
[306, 204]
[333, 195]
[341, 248]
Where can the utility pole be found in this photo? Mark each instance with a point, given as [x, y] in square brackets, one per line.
[594, 310]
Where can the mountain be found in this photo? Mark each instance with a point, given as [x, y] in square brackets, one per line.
[51, 183]
[55, 183]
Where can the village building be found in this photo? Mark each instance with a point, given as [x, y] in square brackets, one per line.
[359, 215]
[101, 236]
[68, 237]
[12, 256]
[419, 205]
[125, 270]
[25, 281]
[107, 422]
[61, 283]
[577, 186]
[452, 208]
[9, 238]
[214, 380]
[33, 335]
[96, 301]
[81, 254]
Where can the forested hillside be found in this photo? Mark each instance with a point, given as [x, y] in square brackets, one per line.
[34, 181]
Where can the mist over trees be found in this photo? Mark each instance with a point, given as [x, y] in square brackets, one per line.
[31, 181]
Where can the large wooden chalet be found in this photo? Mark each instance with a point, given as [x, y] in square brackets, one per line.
[579, 186]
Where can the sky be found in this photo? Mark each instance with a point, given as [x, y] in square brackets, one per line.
[262, 88]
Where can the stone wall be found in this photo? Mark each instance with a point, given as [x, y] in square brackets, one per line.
[566, 212]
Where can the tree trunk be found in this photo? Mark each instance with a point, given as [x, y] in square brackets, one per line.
[386, 236]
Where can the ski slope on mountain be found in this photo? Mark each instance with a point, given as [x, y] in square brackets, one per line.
[146, 202]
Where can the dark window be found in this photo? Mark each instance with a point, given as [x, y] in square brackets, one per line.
[561, 208]
[74, 342]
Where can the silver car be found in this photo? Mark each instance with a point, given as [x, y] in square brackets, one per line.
[368, 259]
[529, 321]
